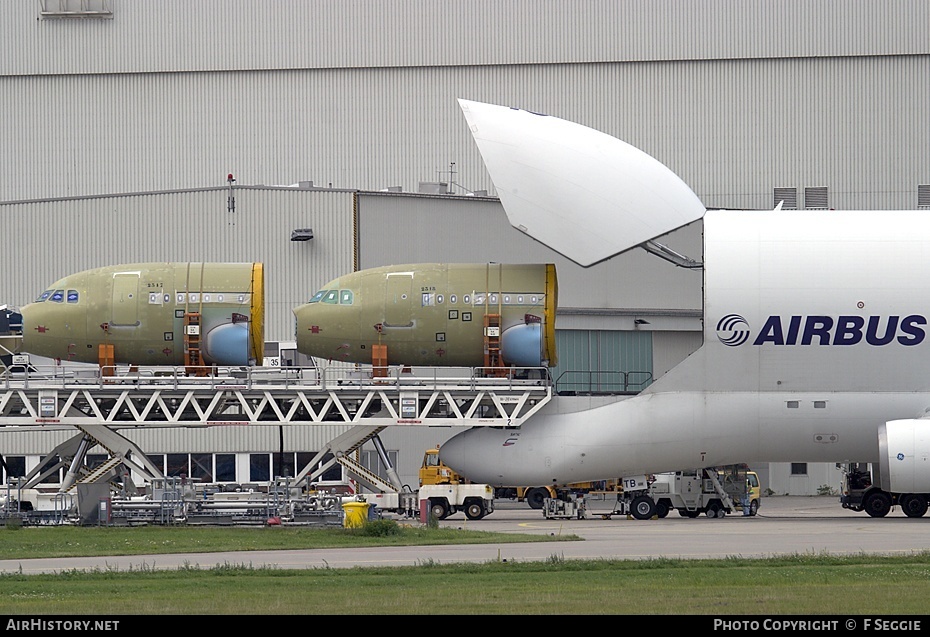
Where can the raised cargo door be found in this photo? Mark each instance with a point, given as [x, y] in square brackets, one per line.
[125, 299]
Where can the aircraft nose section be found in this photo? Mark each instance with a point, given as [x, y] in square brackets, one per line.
[457, 454]
[327, 331]
[37, 330]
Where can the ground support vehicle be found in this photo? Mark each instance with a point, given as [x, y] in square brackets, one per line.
[861, 492]
[632, 500]
[743, 487]
[438, 500]
[571, 507]
[442, 491]
[691, 493]
[535, 496]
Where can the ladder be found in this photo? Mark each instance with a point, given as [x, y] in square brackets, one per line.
[193, 363]
[494, 364]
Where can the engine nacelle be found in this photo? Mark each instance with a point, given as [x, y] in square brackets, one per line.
[522, 345]
[904, 456]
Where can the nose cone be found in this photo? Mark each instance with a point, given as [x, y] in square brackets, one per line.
[330, 331]
[52, 330]
[477, 455]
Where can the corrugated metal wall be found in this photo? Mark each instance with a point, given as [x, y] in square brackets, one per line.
[738, 98]
[217, 35]
[598, 361]
[398, 229]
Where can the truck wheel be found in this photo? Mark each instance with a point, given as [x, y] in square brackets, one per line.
[877, 504]
[662, 508]
[439, 509]
[914, 505]
[535, 497]
[753, 507]
[474, 510]
[643, 507]
[712, 509]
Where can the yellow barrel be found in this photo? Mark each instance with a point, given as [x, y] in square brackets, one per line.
[356, 514]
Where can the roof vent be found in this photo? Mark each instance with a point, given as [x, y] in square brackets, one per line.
[434, 187]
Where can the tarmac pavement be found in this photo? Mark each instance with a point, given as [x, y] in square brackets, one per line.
[785, 525]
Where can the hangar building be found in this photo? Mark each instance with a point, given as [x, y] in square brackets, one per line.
[123, 120]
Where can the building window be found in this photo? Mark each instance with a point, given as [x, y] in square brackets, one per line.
[372, 461]
[202, 467]
[225, 467]
[94, 460]
[799, 468]
[283, 464]
[176, 465]
[54, 476]
[15, 467]
[259, 467]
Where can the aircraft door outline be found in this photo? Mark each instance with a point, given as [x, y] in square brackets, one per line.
[125, 300]
[398, 300]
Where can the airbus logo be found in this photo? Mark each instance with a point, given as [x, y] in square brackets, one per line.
[734, 330]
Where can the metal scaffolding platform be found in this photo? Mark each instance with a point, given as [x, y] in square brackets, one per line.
[96, 402]
[64, 397]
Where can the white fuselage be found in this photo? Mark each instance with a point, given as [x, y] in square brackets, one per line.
[815, 333]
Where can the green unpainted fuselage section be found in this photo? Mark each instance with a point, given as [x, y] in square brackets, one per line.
[426, 314]
[139, 309]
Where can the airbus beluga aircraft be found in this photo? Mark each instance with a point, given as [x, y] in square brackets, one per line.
[815, 340]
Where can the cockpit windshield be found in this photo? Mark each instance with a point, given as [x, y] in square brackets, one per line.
[340, 297]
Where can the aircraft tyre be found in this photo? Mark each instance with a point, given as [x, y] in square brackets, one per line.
[914, 505]
[713, 509]
[877, 504]
[535, 497]
[643, 507]
[439, 509]
[475, 510]
[662, 508]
